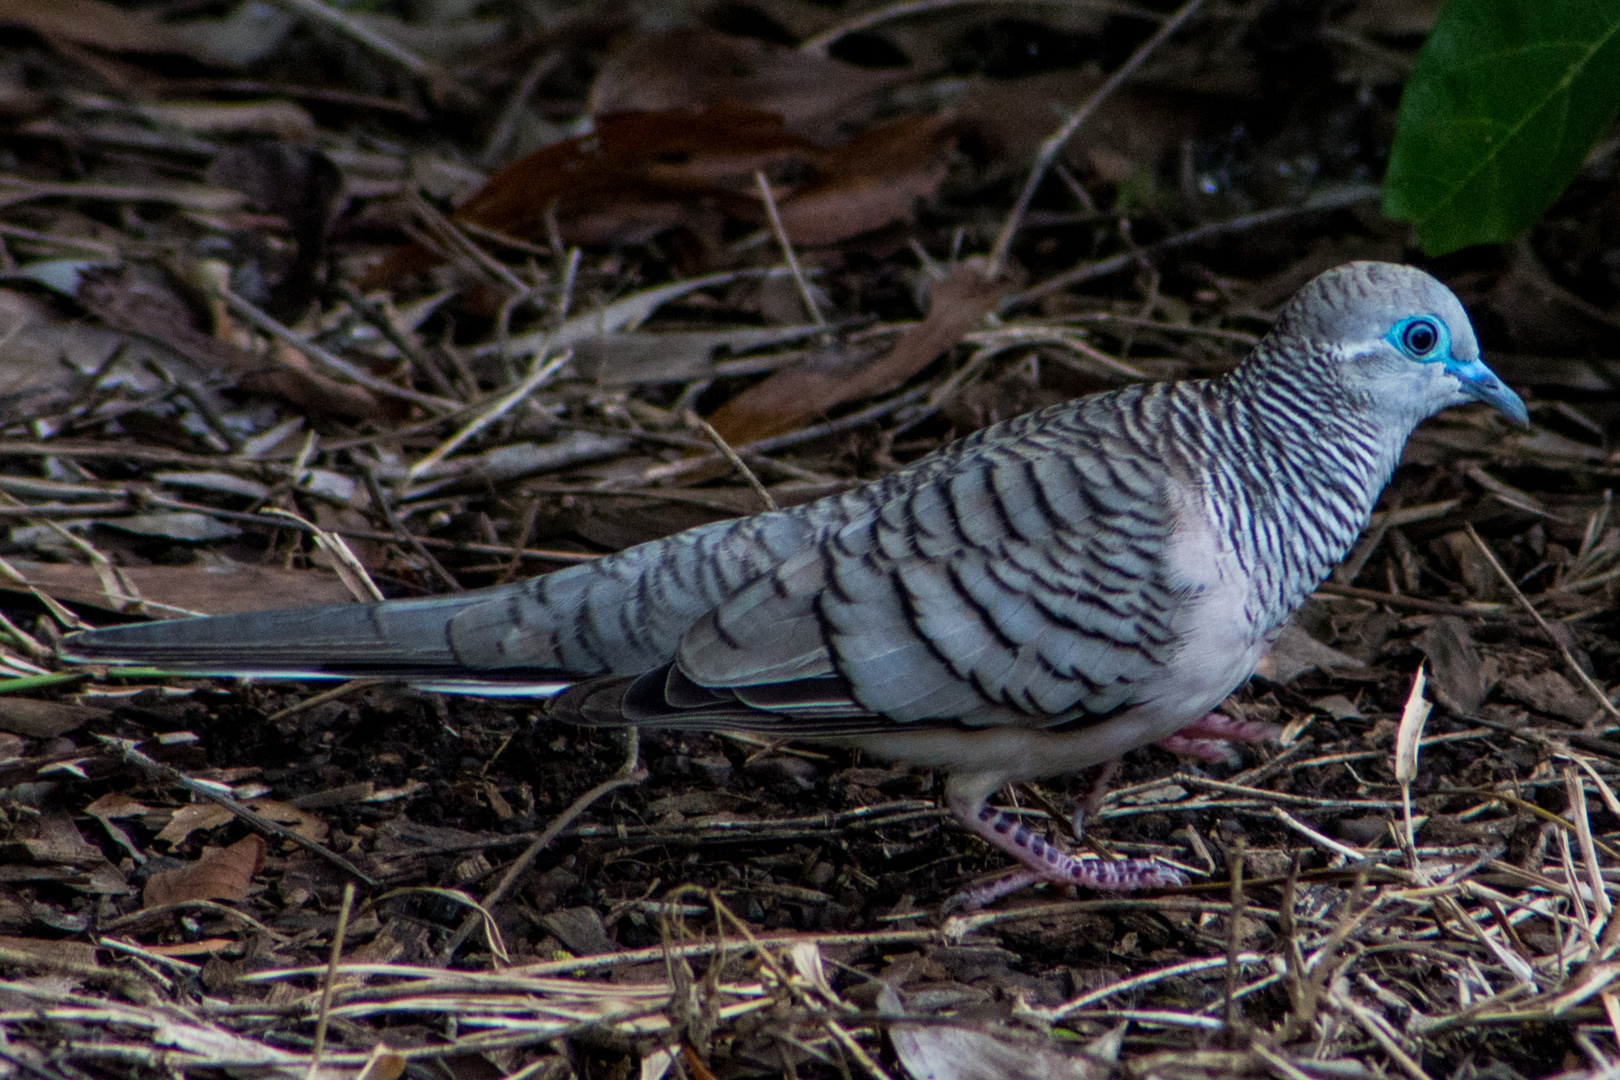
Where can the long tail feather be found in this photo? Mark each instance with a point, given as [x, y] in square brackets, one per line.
[398, 639]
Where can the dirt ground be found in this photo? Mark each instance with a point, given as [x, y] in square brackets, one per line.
[436, 294]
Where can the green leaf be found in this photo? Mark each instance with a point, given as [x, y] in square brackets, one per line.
[1506, 99]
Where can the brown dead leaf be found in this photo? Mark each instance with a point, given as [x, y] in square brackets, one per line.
[874, 180]
[635, 176]
[299, 821]
[43, 356]
[1135, 129]
[205, 947]
[1549, 692]
[944, 1052]
[90, 22]
[112, 806]
[189, 819]
[115, 805]
[1295, 652]
[694, 1064]
[242, 37]
[1459, 671]
[44, 719]
[689, 69]
[221, 874]
[72, 954]
[791, 397]
[147, 309]
[49, 840]
[209, 590]
[642, 173]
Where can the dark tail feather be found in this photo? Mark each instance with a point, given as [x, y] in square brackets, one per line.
[399, 639]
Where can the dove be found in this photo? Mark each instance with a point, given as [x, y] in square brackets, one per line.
[1041, 596]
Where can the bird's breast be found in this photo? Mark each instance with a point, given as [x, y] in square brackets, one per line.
[1221, 627]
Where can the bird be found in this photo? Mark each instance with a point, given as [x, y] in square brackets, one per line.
[1043, 595]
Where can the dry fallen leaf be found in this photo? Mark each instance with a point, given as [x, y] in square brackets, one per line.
[1410, 731]
[299, 821]
[91, 22]
[189, 819]
[687, 69]
[792, 396]
[1295, 652]
[221, 874]
[1459, 671]
[642, 173]
[71, 953]
[210, 590]
[1545, 692]
[941, 1052]
[146, 308]
[36, 719]
[874, 180]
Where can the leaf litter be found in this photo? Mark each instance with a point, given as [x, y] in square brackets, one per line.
[269, 280]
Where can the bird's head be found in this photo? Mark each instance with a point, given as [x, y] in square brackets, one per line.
[1392, 338]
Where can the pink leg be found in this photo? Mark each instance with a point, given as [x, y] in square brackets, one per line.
[1209, 738]
[982, 895]
[1043, 861]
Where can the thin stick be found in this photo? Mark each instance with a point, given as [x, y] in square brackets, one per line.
[1569, 659]
[385, 326]
[348, 567]
[731, 455]
[330, 361]
[322, 698]
[1415, 603]
[540, 372]
[249, 816]
[506, 126]
[372, 40]
[404, 535]
[787, 250]
[1583, 835]
[470, 546]
[794, 438]
[1115, 263]
[1369, 1023]
[1050, 149]
[819, 44]
[1234, 941]
[538, 376]
[330, 980]
[629, 773]
[448, 230]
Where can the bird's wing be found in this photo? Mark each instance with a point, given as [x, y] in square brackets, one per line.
[1023, 586]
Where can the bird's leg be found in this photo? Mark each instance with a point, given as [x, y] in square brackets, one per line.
[1210, 738]
[1042, 860]
[1092, 803]
[980, 895]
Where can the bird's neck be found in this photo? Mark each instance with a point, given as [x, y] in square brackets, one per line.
[1309, 467]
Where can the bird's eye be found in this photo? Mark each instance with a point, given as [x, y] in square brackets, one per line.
[1420, 337]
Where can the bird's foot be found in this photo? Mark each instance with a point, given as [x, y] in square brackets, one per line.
[1210, 738]
[1044, 861]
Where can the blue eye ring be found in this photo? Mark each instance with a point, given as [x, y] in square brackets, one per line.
[1420, 337]
[1423, 338]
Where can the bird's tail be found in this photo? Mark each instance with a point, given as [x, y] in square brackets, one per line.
[396, 639]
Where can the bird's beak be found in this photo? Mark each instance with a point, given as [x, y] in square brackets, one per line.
[1480, 382]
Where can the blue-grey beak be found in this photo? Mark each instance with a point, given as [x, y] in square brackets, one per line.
[1479, 381]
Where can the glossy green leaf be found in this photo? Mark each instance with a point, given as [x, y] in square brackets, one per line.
[1504, 103]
